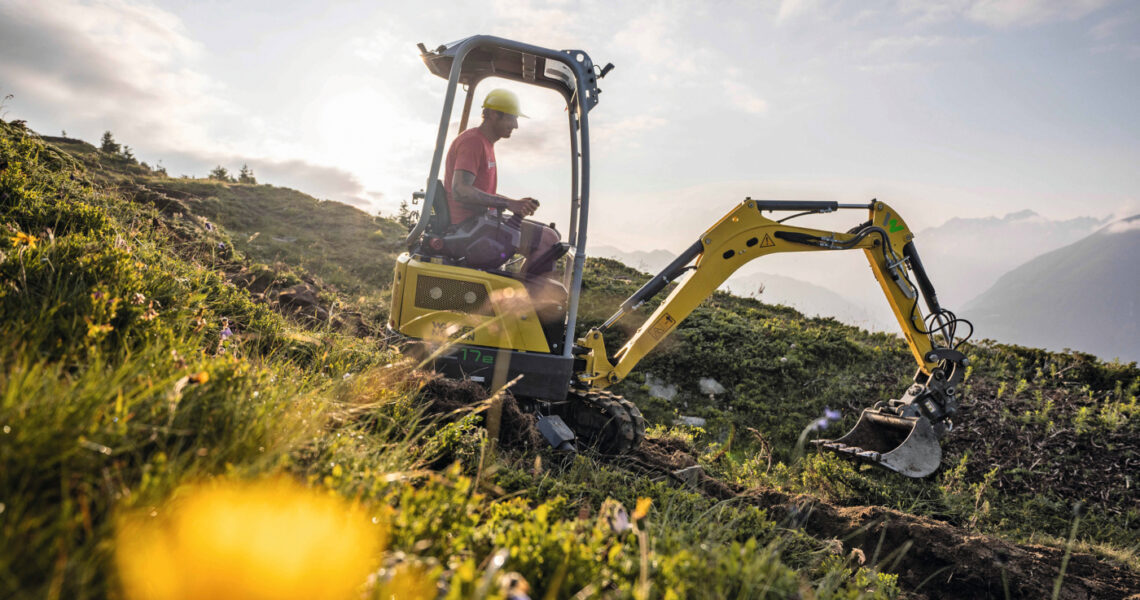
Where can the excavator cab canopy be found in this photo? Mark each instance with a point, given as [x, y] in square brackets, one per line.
[573, 75]
[495, 57]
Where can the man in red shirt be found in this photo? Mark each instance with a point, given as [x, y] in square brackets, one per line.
[471, 175]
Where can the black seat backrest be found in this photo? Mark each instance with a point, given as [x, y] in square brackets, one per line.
[440, 219]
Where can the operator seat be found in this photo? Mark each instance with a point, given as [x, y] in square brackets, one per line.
[549, 297]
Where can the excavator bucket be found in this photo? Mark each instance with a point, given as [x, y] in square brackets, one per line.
[906, 445]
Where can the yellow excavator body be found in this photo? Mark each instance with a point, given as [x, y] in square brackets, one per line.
[440, 303]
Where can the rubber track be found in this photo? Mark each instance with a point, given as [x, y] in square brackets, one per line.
[608, 422]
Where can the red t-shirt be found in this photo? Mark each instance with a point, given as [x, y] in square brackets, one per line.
[472, 152]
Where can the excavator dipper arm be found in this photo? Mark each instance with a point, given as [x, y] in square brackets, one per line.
[901, 435]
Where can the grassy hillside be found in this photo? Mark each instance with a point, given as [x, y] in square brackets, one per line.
[149, 367]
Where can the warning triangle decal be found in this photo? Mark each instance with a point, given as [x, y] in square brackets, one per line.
[767, 242]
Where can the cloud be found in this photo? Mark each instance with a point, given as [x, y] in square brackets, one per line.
[1018, 13]
[741, 96]
[789, 9]
[1002, 14]
[1131, 224]
[320, 181]
[109, 64]
[654, 36]
[626, 131]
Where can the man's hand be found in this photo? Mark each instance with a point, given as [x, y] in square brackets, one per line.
[523, 206]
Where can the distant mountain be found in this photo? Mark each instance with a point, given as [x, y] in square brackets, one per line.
[967, 256]
[649, 262]
[810, 299]
[1085, 296]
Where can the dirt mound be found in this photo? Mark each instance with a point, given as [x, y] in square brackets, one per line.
[451, 399]
[934, 560]
[1036, 456]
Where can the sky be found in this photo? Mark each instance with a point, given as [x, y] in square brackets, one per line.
[956, 108]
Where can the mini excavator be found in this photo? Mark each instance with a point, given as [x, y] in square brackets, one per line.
[502, 326]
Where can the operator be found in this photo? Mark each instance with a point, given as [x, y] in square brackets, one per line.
[471, 175]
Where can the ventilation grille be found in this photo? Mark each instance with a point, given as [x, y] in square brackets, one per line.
[437, 293]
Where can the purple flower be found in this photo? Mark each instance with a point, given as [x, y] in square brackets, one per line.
[226, 333]
[221, 245]
[829, 417]
[209, 226]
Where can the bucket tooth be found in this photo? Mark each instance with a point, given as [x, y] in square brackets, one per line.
[906, 445]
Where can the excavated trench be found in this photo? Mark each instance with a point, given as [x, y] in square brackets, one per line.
[934, 560]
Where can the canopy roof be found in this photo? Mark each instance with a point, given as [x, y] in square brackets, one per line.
[489, 56]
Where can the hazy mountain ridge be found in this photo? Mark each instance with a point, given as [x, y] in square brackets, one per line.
[965, 256]
[1084, 296]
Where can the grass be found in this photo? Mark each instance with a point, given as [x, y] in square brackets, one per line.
[121, 394]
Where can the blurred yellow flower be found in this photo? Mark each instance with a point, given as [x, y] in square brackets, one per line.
[271, 540]
[23, 239]
[642, 508]
[96, 331]
[199, 377]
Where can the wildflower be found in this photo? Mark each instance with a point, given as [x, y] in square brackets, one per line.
[221, 245]
[97, 331]
[619, 520]
[829, 417]
[200, 377]
[23, 239]
[138, 299]
[514, 586]
[642, 508]
[226, 333]
[209, 226]
[150, 313]
[268, 539]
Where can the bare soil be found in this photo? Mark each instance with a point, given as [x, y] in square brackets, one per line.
[934, 560]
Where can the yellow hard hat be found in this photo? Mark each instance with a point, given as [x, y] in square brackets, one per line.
[504, 101]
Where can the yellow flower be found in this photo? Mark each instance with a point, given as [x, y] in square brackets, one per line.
[642, 508]
[272, 539]
[96, 331]
[200, 377]
[23, 239]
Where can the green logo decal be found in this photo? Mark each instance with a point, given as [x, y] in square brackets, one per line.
[891, 224]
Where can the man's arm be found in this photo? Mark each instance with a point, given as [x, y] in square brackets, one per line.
[464, 191]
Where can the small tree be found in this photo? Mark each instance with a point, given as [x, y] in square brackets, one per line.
[220, 173]
[246, 175]
[128, 153]
[407, 217]
[109, 144]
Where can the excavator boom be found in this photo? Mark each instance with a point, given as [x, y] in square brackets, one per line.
[901, 435]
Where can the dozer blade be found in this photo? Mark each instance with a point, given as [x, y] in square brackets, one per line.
[906, 445]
